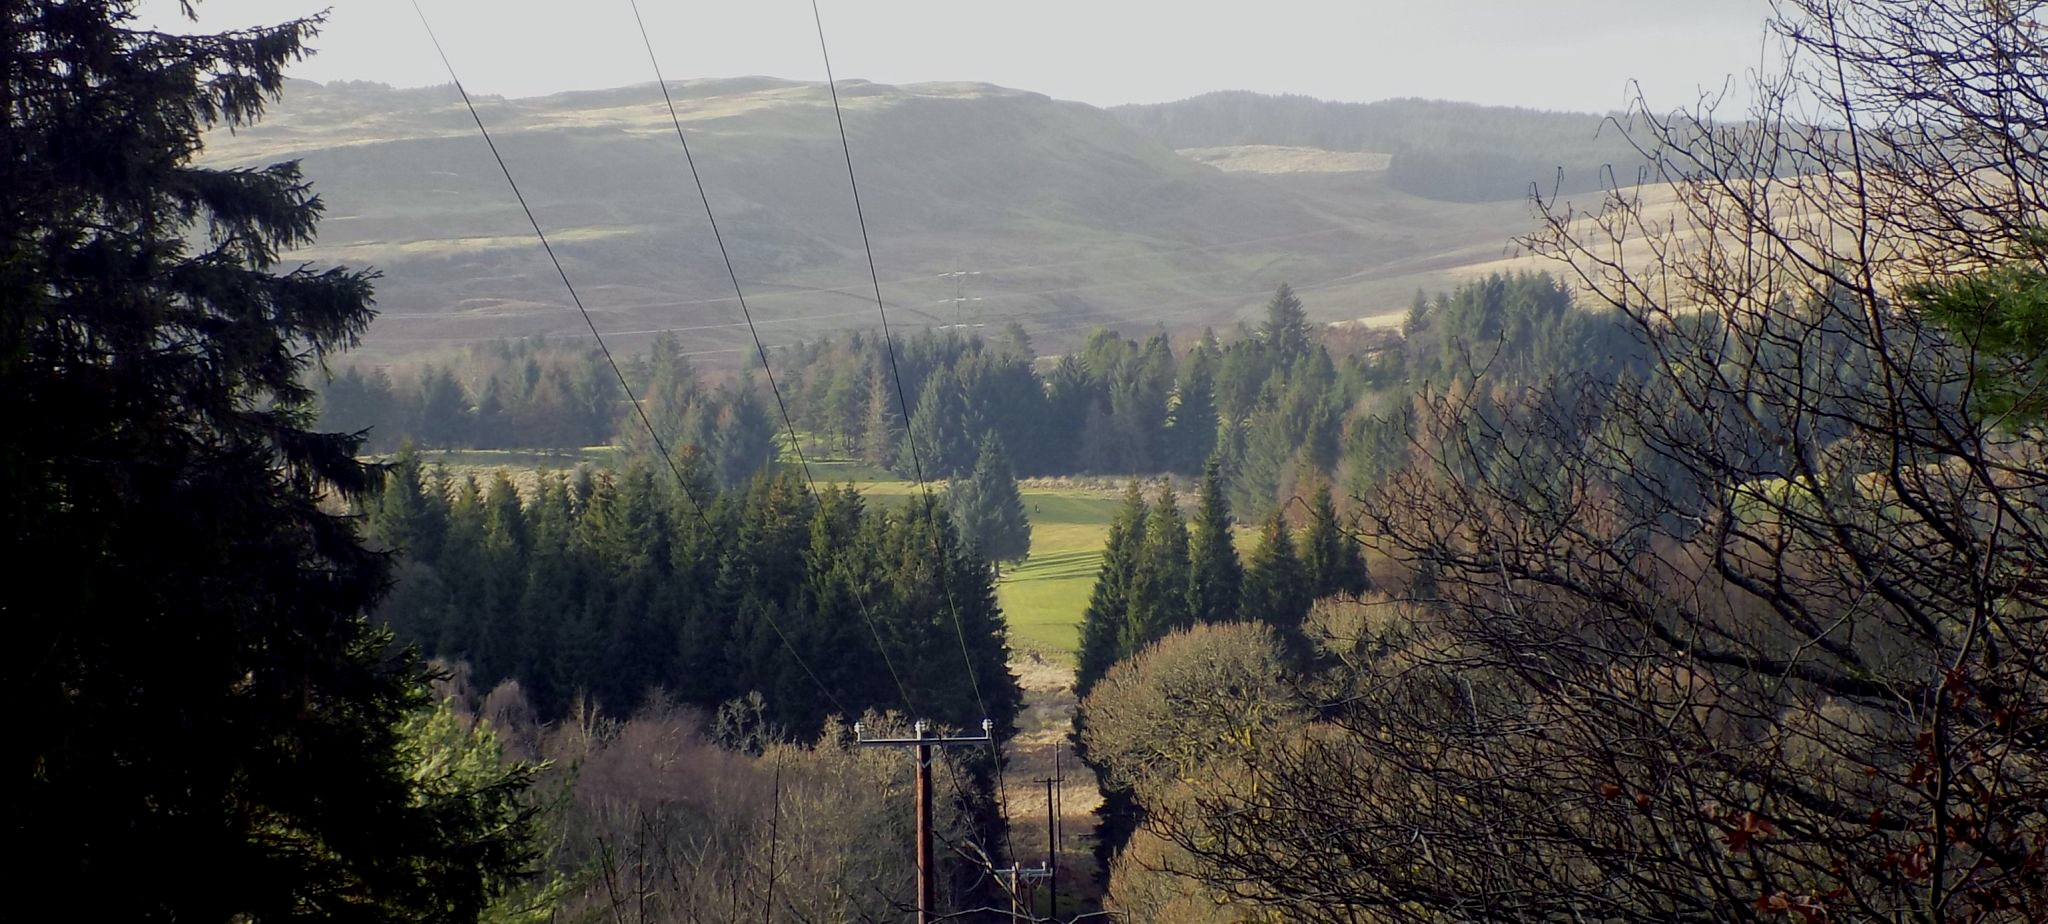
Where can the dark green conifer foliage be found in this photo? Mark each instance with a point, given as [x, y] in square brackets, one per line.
[506, 546]
[210, 728]
[1331, 557]
[1276, 587]
[938, 439]
[1159, 595]
[1216, 577]
[987, 509]
[1287, 331]
[745, 440]
[1191, 434]
[1102, 624]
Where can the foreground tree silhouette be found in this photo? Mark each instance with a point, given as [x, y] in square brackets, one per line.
[1760, 635]
[211, 730]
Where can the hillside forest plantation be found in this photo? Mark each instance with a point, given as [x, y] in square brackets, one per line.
[1413, 512]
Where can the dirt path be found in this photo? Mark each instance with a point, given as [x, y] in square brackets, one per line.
[1042, 730]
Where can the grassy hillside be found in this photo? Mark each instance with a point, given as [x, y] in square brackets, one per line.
[1071, 217]
[1442, 150]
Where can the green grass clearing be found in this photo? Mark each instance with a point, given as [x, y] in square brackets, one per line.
[1044, 596]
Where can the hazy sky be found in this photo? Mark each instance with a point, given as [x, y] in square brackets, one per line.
[1563, 54]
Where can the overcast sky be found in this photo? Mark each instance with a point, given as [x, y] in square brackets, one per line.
[1563, 54]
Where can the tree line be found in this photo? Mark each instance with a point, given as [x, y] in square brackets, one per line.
[608, 587]
[1275, 403]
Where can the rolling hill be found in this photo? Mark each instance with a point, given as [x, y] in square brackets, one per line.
[1071, 215]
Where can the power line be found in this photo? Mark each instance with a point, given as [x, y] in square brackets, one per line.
[659, 445]
[910, 439]
[761, 349]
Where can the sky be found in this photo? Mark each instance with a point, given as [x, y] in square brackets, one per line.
[1563, 55]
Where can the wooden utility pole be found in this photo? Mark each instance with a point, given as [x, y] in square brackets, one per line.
[1052, 836]
[927, 869]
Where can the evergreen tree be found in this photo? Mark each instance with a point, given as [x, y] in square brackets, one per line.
[1137, 416]
[408, 514]
[1286, 331]
[987, 509]
[211, 729]
[1159, 595]
[1109, 603]
[1330, 557]
[1069, 401]
[1272, 446]
[938, 439]
[746, 441]
[1216, 577]
[444, 413]
[1276, 588]
[507, 542]
[1191, 435]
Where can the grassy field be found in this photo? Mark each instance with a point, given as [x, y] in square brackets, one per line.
[1043, 597]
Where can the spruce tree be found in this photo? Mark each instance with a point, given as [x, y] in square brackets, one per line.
[1276, 588]
[1330, 557]
[1159, 595]
[211, 728]
[1102, 624]
[1216, 577]
[936, 441]
[1286, 331]
[986, 508]
[746, 441]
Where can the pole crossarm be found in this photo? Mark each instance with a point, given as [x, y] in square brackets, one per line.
[920, 740]
[927, 865]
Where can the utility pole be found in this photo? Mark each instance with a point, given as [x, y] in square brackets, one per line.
[1052, 836]
[1016, 876]
[927, 869]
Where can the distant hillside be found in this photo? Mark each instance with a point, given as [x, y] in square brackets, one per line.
[1070, 217]
[1455, 151]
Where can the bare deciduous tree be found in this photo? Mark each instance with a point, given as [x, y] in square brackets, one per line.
[1757, 636]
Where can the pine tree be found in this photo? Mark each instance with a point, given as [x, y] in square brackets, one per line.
[1102, 624]
[986, 508]
[1276, 588]
[1216, 577]
[211, 729]
[1330, 557]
